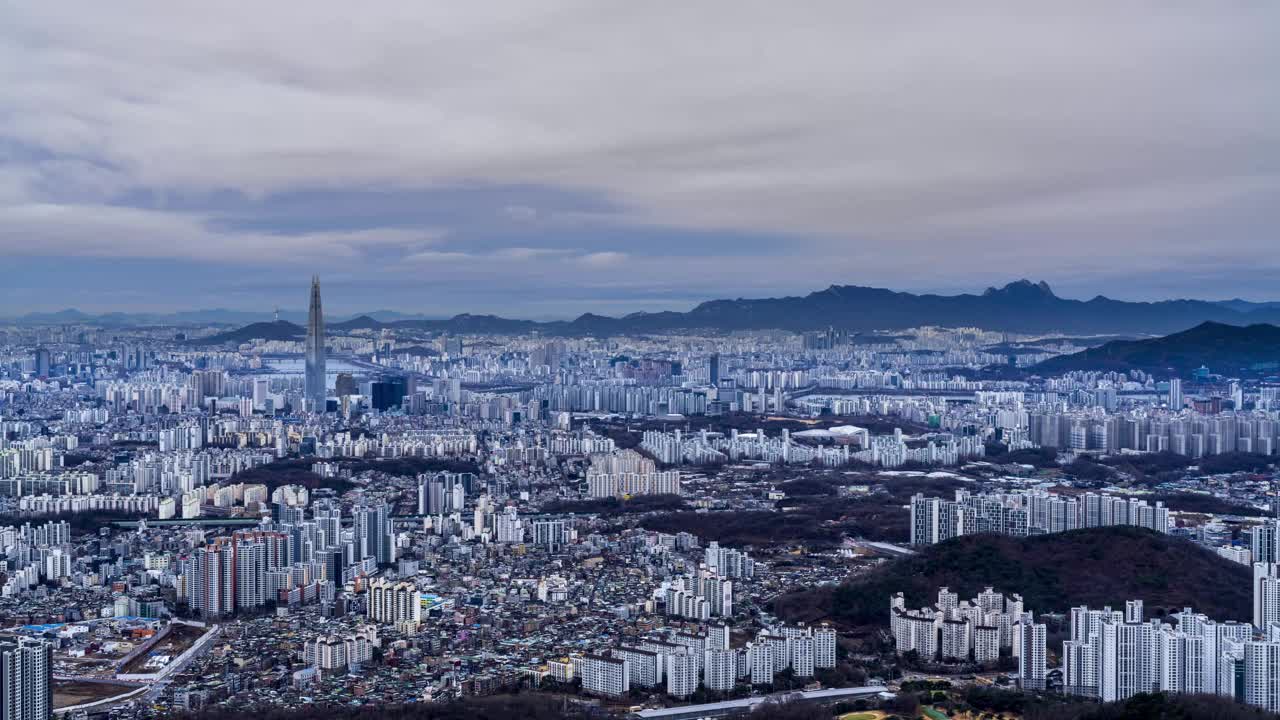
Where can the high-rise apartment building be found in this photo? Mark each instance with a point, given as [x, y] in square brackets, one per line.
[682, 674]
[375, 536]
[211, 579]
[720, 668]
[760, 660]
[1113, 655]
[605, 675]
[1262, 674]
[1026, 512]
[26, 680]
[824, 647]
[1263, 542]
[803, 655]
[394, 603]
[1031, 656]
[1266, 595]
[644, 667]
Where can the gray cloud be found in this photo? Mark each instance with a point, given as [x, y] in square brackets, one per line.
[947, 146]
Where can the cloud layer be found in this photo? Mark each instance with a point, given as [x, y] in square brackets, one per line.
[610, 156]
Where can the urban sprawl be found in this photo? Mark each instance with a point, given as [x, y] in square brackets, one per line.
[354, 512]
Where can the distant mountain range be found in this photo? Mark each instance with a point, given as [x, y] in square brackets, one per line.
[216, 316]
[1226, 349]
[1021, 306]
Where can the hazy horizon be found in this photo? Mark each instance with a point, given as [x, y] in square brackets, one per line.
[356, 310]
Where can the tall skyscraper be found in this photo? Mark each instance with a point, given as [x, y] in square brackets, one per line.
[315, 379]
[42, 363]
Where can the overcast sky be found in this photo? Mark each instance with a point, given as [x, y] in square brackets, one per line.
[541, 159]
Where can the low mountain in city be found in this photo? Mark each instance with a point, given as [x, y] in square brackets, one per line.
[278, 330]
[1227, 349]
[1053, 573]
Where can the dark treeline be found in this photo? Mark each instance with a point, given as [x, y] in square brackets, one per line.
[411, 466]
[498, 707]
[614, 506]
[289, 472]
[758, 527]
[979, 699]
[79, 522]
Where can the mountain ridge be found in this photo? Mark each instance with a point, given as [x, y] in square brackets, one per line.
[1221, 347]
[1021, 306]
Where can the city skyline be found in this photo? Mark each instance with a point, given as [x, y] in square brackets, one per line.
[729, 359]
[582, 519]
[578, 167]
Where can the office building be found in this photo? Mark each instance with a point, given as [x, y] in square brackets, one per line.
[388, 393]
[344, 385]
[315, 380]
[42, 363]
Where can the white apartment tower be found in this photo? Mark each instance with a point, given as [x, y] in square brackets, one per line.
[1031, 658]
[1262, 674]
[26, 680]
[824, 647]
[802, 656]
[682, 674]
[760, 658]
[605, 675]
[394, 603]
[1266, 594]
[720, 668]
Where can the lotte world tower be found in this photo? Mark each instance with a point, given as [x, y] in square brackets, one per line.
[315, 378]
